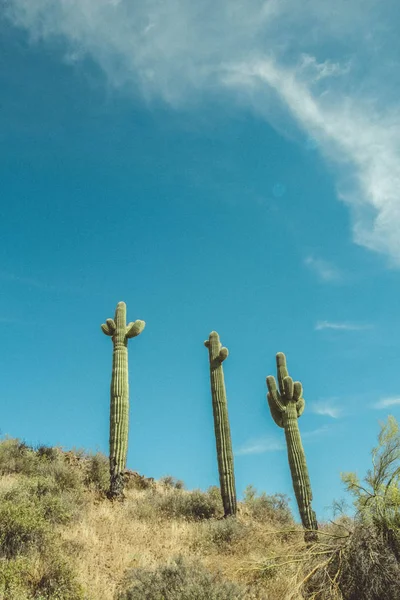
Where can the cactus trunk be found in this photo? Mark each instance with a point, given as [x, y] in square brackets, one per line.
[217, 355]
[119, 396]
[286, 406]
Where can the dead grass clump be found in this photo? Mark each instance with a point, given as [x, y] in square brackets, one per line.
[179, 580]
[222, 535]
[195, 505]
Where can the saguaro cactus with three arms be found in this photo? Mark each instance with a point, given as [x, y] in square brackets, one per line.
[217, 355]
[120, 333]
[286, 405]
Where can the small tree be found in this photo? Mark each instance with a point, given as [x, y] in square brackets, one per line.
[377, 499]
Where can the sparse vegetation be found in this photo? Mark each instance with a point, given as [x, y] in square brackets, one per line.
[62, 539]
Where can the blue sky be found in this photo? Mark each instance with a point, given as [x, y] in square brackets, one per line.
[228, 166]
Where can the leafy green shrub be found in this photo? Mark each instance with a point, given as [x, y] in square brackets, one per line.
[172, 482]
[97, 473]
[273, 508]
[194, 505]
[17, 457]
[58, 582]
[179, 581]
[14, 578]
[47, 453]
[55, 505]
[22, 528]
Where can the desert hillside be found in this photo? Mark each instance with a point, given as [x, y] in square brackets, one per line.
[61, 538]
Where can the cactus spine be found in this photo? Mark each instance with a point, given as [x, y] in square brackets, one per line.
[286, 405]
[217, 355]
[119, 332]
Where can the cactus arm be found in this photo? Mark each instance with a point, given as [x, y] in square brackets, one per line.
[297, 390]
[275, 395]
[275, 412]
[223, 354]
[134, 329]
[288, 389]
[300, 404]
[217, 355]
[105, 329]
[282, 370]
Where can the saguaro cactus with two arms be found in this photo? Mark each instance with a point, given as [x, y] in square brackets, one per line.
[120, 333]
[217, 355]
[286, 405]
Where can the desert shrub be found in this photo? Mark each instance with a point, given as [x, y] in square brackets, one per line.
[225, 533]
[369, 569]
[377, 499]
[47, 453]
[97, 472]
[57, 581]
[22, 528]
[179, 581]
[14, 578]
[17, 457]
[171, 482]
[55, 505]
[194, 505]
[273, 508]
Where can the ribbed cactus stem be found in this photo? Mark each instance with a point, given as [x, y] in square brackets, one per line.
[217, 354]
[286, 406]
[119, 395]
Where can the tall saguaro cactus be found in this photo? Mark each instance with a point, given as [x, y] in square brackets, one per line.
[120, 333]
[217, 355]
[286, 405]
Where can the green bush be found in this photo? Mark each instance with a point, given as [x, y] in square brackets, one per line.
[273, 508]
[17, 457]
[194, 505]
[14, 578]
[225, 533]
[97, 472]
[22, 528]
[55, 505]
[171, 482]
[179, 581]
[58, 582]
[47, 453]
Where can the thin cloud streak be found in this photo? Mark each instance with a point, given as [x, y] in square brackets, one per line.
[260, 447]
[268, 445]
[320, 325]
[326, 409]
[386, 402]
[270, 57]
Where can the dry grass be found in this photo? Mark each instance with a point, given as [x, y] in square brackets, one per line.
[92, 544]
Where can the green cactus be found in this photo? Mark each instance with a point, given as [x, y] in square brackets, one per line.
[217, 355]
[286, 405]
[120, 332]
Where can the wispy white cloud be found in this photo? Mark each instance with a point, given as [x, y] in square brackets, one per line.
[305, 68]
[341, 326]
[260, 447]
[325, 270]
[263, 445]
[315, 433]
[386, 402]
[327, 408]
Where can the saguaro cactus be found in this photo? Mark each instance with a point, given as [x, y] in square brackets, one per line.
[120, 333]
[286, 405]
[217, 355]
